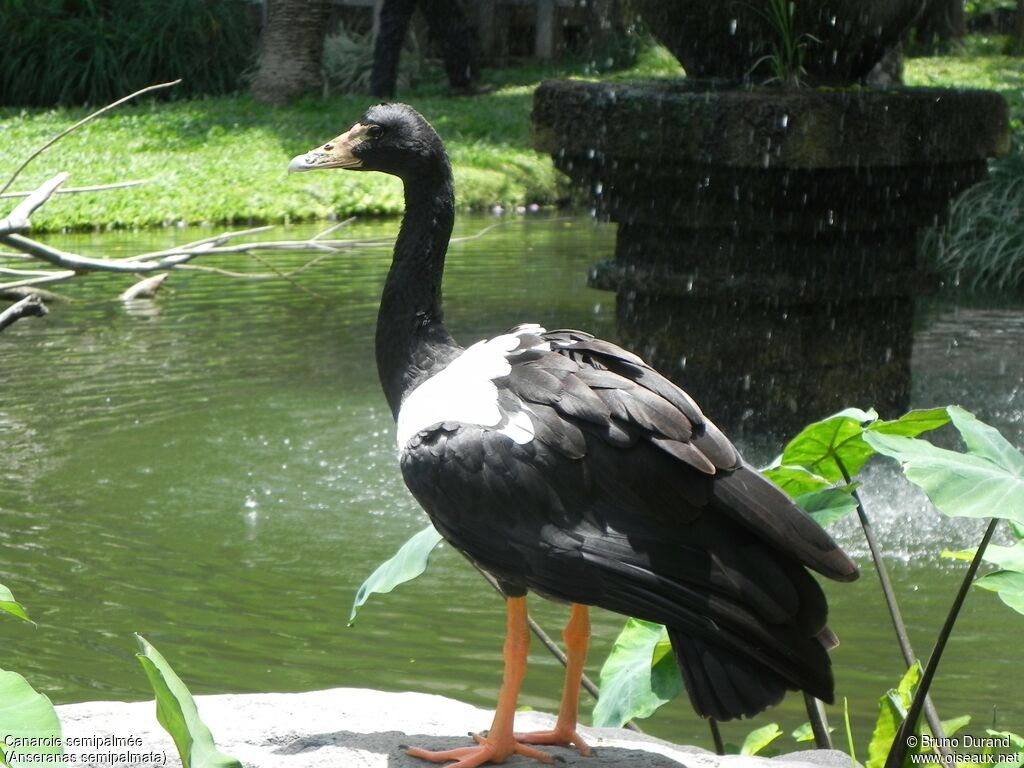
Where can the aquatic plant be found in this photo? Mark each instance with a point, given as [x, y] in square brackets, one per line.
[786, 59]
[32, 729]
[818, 467]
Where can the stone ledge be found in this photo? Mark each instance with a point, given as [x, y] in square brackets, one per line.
[360, 728]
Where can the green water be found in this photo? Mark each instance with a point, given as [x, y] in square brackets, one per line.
[216, 470]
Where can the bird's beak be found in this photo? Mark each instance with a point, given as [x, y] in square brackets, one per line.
[336, 153]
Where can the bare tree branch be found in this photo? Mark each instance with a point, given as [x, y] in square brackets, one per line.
[79, 124]
[67, 265]
[144, 289]
[76, 190]
[18, 219]
[30, 306]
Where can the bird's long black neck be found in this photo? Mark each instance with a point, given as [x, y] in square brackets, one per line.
[412, 342]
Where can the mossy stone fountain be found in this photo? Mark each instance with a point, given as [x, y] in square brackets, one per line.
[766, 253]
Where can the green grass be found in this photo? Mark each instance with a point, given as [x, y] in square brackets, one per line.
[222, 160]
[982, 243]
[979, 63]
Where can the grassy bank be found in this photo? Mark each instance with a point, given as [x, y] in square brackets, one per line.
[222, 160]
[978, 63]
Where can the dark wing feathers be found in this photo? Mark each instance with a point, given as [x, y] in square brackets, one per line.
[767, 511]
[630, 499]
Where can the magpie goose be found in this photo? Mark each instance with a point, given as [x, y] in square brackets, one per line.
[565, 466]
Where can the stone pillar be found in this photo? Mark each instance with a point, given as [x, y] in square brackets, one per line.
[767, 246]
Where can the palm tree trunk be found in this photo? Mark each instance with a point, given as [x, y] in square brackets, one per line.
[291, 49]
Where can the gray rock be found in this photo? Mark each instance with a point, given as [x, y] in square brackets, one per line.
[359, 728]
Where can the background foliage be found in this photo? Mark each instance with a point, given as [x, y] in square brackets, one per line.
[64, 52]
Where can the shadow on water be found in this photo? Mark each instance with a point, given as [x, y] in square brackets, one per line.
[215, 470]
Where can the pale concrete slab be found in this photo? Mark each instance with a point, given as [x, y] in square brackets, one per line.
[360, 728]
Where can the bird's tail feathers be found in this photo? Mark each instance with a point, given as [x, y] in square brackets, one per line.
[726, 685]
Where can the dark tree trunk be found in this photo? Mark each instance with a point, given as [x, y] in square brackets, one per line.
[942, 21]
[609, 44]
[291, 49]
[1018, 22]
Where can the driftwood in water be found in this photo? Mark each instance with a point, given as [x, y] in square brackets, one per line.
[30, 306]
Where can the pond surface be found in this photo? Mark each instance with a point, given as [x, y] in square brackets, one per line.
[215, 470]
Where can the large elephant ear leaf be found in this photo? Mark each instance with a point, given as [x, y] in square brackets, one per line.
[9, 605]
[176, 711]
[986, 441]
[27, 714]
[638, 676]
[817, 446]
[987, 481]
[836, 447]
[406, 564]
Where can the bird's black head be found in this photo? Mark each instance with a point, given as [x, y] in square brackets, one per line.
[392, 138]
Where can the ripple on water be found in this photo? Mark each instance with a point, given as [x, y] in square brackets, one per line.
[216, 470]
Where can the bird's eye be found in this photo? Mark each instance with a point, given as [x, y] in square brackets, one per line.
[374, 131]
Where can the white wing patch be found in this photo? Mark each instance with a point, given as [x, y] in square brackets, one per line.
[465, 392]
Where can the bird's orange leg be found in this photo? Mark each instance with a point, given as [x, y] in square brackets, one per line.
[500, 742]
[577, 638]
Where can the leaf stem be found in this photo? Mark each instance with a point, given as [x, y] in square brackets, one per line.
[819, 723]
[899, 745]
[716, 736]
[909, 657]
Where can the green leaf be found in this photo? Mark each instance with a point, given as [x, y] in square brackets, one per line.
[1009, 585]
[760, 738]
[959, 484]
[626, 677]
[1016, 747]
[963, 554]
[840, 438]
[914, 423]
[406, 564]
[9, 605]
[985, 441]
[666, 681]
[829, 504]
[795, 480]
[177, 713]
[24, 713]
[954, 725]
[817, 445]
[892, 711]
[1010, 558]
[805, 733]
[849, 731]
